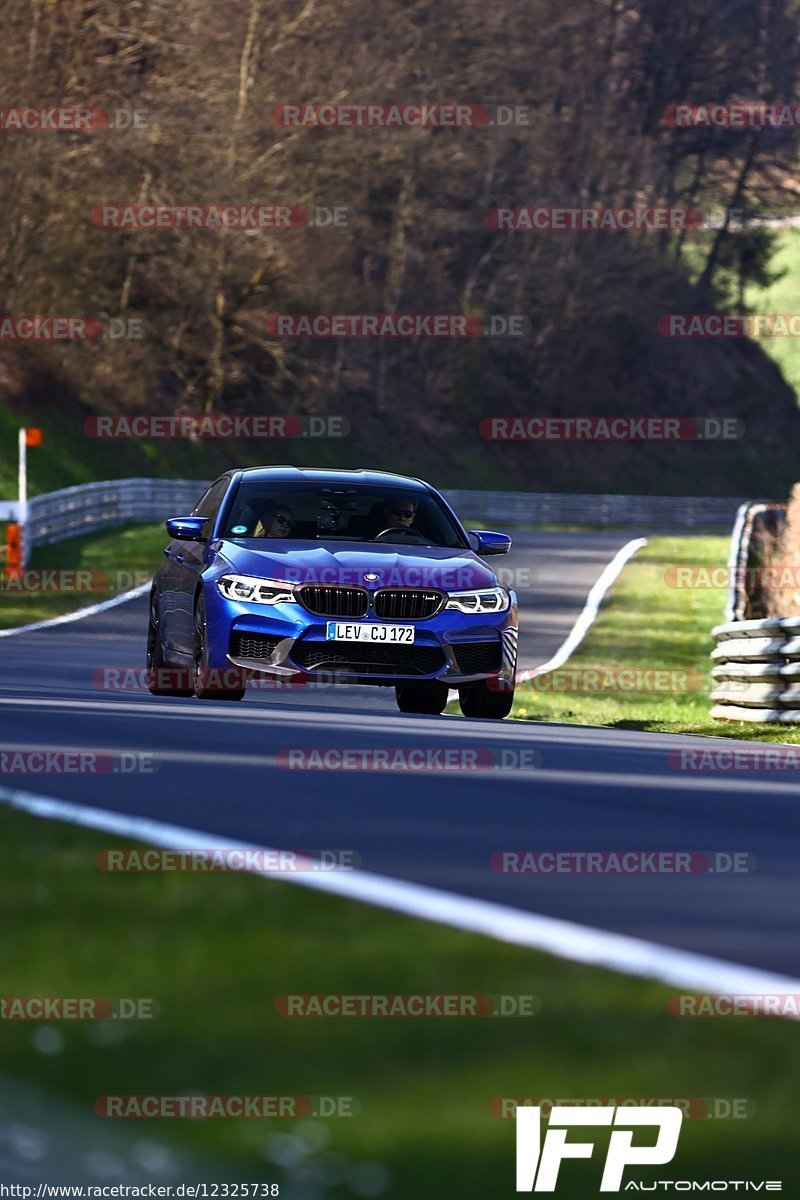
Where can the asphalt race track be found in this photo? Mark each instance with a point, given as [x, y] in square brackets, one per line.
[593, 789]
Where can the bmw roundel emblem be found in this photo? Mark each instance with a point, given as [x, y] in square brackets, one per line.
[370, 577]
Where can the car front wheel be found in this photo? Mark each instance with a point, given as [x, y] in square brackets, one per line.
[208, 684]
[162, 679]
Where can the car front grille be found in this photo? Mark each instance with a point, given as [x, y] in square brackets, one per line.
[252, 645]
[407, 604]
[334, 601]
[368, 659]
[473, 658]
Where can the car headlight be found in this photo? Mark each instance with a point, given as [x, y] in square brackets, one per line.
[486, 600]
[250, 590]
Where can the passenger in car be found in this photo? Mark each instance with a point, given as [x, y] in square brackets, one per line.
[276, 523]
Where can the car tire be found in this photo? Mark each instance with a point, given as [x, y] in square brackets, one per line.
[204, 688]
[479, 700]
[427, 698]
[163, 679]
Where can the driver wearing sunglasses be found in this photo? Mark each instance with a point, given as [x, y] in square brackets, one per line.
[399, 514]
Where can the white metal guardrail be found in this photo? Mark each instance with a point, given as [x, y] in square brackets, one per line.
[57, 516]
[756, 671]
[89, 507]
[626, 512]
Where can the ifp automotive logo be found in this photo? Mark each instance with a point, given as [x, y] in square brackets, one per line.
[538, 1162]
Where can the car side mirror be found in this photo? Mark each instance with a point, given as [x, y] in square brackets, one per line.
[485, 542]
[187, 529]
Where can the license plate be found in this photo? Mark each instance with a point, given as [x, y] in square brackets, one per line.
[339, 631]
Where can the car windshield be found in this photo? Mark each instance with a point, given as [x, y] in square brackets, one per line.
[339, 512]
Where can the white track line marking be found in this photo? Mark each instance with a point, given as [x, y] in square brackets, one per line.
[81, 614]
[722, 784]
[610, 574]
[564, 939]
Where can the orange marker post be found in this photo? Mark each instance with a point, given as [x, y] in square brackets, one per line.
[13, 550]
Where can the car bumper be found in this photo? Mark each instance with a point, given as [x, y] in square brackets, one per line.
[286, 641]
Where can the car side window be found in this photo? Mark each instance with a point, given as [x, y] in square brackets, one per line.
[208, 506]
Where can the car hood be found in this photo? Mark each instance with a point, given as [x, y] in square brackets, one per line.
[358, 565]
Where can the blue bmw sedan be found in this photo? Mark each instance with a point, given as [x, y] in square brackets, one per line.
[360, 577]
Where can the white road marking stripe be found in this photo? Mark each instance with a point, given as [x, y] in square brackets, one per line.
[81, 613]
[496, 774]
[189, 755]
[500, 735]
[244, 713]
[610, 574]
[564, 939]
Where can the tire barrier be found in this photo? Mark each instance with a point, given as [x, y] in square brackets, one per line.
[756, 672]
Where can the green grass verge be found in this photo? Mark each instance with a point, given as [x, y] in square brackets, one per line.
[217, 950]
[80, 572]
[648, 625]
